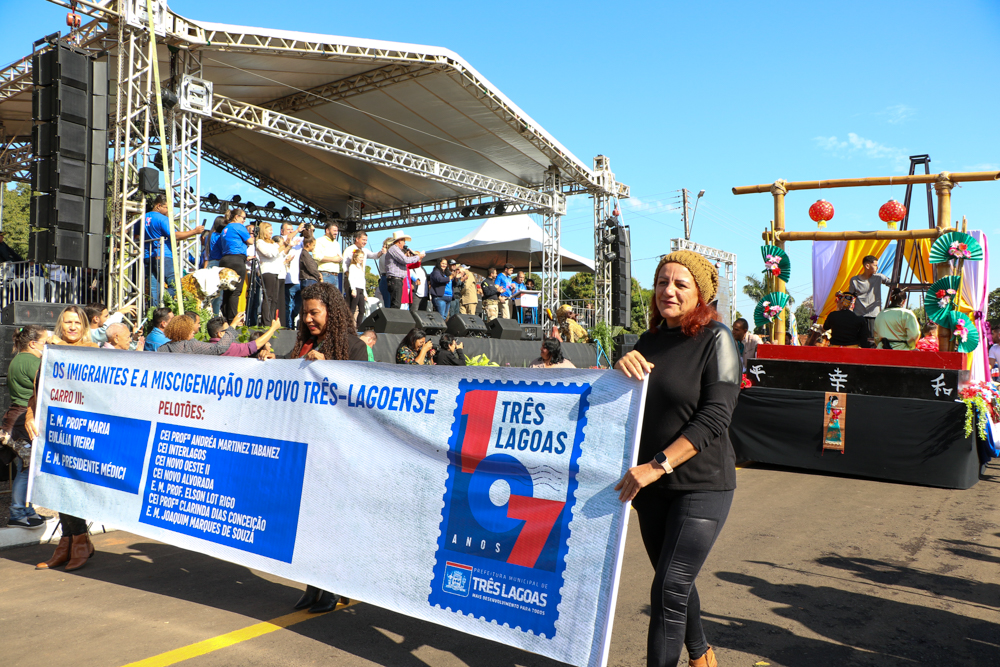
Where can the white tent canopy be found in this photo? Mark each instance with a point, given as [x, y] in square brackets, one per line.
[514, 239]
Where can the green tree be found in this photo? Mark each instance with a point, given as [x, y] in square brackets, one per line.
[16, 217]
[577, 286]
[371, 281]
[993, 305]
[803, 315]
[640, 307]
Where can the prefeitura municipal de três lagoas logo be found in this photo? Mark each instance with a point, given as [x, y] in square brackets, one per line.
[508, 502]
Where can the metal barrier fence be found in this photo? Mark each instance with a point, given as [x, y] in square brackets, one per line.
[50, 283]
[586, 314]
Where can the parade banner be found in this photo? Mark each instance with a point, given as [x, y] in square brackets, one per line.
[477, 498]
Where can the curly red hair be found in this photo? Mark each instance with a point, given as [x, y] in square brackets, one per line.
[691, 323]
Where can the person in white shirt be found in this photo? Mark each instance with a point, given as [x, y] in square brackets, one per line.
[360, 241]
[356, 284]
[418, 283]
[328, 257]
[272, 254]
[292, 306]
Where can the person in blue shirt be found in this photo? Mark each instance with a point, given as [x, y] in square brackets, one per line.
[215, 254]
[235, 239]
[517, 286]
[156, 337]
[157, 230]
[505, 286]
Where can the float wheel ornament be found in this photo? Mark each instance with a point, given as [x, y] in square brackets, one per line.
[821, 212]
[892, 212]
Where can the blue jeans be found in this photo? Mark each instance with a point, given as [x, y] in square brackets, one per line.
[168, 277]
[20, 508]
[291, 298]
[383, 288]
[334, 279]
[442, 306]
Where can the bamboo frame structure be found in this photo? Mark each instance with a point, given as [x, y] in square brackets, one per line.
[943, 183]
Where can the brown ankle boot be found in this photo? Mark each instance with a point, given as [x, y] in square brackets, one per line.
[79, 552]
[707, 660]
[59, 557]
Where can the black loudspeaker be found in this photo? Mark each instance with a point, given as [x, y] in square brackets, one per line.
[149, 180]
[504, 329]
[7, 345]
[431, 322]
[30, 312]
[283, 341]
[623, 344]
[463, 326]
[531, 332]
[389, 320]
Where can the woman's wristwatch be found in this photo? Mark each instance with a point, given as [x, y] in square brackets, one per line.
[661, 459]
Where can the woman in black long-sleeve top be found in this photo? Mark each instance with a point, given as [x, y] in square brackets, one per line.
[684, 488]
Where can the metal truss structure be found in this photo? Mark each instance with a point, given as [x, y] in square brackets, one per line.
[727, 259]
[604, 206]
[121, 29]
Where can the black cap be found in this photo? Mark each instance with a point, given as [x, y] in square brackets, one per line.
[451, 261]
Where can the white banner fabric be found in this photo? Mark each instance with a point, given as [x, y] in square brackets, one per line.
[477, 498]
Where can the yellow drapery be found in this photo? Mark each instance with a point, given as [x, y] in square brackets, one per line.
[850, 266]
[916, 253]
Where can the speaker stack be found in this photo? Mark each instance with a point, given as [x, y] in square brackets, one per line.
[70, 142]
[531, 332]
[624, 343]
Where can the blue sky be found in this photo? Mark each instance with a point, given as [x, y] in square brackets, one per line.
[699, 95]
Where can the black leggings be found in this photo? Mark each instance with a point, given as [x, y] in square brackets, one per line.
[72, 525]
[358, 301]
[678, 530]
[274, 298]
[231, 300]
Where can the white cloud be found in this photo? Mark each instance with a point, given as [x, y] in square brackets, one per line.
[983, 166]
[858, 145]
[897, 113]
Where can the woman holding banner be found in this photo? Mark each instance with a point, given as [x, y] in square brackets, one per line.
[684, 489]
[74, 548]
[326, 332]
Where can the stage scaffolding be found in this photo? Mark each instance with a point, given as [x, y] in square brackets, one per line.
[200, 119]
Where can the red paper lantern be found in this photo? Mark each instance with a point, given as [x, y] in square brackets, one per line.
[892, 212]
[821, 212]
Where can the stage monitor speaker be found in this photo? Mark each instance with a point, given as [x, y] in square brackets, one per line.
[623, 345]
[464, 326]
[31, 312]
[531, 332]
[389, 320]
[431, 322]
[504, 329]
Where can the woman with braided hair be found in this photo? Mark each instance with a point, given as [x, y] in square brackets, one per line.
[326, 332]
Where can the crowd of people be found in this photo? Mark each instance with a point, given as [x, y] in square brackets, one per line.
[274, 266]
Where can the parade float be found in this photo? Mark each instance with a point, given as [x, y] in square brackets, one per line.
[922, 417]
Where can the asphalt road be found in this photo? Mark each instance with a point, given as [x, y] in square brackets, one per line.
[810, 571]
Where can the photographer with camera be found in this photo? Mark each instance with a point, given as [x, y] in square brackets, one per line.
[451, 352]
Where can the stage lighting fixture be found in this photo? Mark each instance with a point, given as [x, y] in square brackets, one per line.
[158, 160]
[270, 204]
[466, 211]
[236, 199]
[611, 222]
[610, 236]
[335, 215]
[285, 211]
[251, 206]
[610, 256]
[212, 199]
[500, 208]
[482, 209]
[306, 211]
[169, 98]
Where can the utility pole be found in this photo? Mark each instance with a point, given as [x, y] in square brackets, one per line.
[686, 196]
